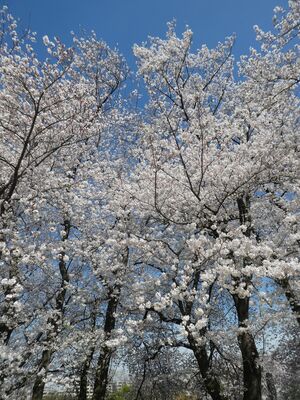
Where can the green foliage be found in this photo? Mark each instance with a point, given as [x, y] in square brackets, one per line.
[121, 394]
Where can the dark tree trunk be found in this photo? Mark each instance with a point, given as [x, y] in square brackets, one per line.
[83, 385]
[5, 332]
[101, 380]
[39, 384]
[103, 364]
[211, 382]
[250, 356]
[294, 302]
[272, 392]
[38, 389]
[252, 373]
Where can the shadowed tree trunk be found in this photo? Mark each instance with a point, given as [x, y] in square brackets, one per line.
[83, 384]
[272, 393]
[291, 297]
[39, 384]
[252, 373]
[101, 379]
[103, 364]
[251, 368]
[210, 380]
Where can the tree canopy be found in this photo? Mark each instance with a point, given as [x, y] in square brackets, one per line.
[152, 230]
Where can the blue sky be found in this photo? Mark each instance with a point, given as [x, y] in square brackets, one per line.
[122, 23]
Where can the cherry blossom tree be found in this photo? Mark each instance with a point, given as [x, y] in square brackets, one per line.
[54, 114]
[219, 156]
[173, 229]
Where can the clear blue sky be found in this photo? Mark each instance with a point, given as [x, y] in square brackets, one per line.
[122, 23]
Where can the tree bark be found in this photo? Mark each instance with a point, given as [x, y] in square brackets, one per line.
[101, 379]
[83, 385]
[211, 382]
[291, 297]
[252, 373]
[272, 392]
[251, 368]
[103, 364]
[39, 384]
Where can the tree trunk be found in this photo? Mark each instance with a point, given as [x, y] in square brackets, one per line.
[251, 368]
[272, 393]
[211, 382]
[102, 371]
[103, 364]
[83, 385]
[291, 297]
[39, 384]
[101, 379]
[38, 387]
[250, 356]
[5, 332]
